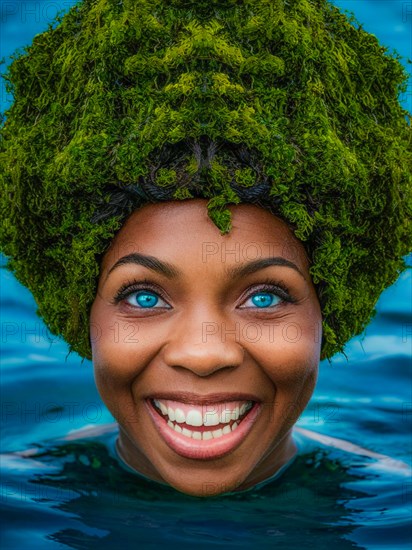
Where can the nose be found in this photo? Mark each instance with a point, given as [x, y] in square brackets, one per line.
[203, 347]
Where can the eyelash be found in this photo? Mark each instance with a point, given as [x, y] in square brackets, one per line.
[268, 285]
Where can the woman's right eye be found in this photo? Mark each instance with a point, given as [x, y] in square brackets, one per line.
[140, 295]
[146, 299]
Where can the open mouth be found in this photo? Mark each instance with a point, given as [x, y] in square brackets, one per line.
[203, 431]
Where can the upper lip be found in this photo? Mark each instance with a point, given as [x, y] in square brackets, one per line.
[197, 399]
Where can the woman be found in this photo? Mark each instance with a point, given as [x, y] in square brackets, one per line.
[205, 364]
[130, 122]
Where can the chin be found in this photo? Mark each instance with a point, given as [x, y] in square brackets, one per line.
[205, 485]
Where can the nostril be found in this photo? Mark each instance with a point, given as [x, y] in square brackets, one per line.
[200, 370]
[203, 359]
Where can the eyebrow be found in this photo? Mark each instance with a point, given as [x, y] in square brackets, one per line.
[150, 262]
[171, 272]
[256, 265]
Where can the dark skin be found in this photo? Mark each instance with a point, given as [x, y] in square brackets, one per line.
[206, 335]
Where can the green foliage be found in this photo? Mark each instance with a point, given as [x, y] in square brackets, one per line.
[245, 177]
[315, 96]
[166, 177]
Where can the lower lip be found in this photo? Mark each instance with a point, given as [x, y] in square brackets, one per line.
[209, 449]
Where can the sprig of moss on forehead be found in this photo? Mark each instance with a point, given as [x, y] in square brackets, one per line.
[288, 105]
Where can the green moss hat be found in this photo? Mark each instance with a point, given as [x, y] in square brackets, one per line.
[286, 104]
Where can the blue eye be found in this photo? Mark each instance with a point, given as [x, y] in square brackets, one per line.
[264, 299]
[146, 296]
[146, 299]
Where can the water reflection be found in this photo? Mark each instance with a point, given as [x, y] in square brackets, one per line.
[311, 504]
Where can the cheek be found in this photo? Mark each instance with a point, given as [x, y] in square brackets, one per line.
[120, 348]
[113, 369]
[115, 390]
[293, 372]
[121, 351]
[291, 363]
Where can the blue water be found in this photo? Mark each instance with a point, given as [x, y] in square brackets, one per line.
[68, 490]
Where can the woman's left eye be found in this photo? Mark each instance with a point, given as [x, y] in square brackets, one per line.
[263, 299]
[268, 296]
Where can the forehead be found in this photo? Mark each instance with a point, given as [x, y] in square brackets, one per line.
[181, 230]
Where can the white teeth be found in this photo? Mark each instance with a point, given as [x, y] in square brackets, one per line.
[211, 418]
[163, 408]
[226, 416]
[180, 416]
[194, 418]
[202, 435]
[160, 406]
[211, 415]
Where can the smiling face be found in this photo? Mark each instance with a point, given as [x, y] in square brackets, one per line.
[205, 346]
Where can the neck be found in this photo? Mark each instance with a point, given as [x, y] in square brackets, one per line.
[273, 461]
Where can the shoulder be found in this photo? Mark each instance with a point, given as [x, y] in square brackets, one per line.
[381, 460]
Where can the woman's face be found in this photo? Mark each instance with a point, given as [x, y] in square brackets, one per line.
[205, 347]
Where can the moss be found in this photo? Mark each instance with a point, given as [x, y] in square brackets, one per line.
[182, 193]
[102, 93]
[245, 177]
[166, 177]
